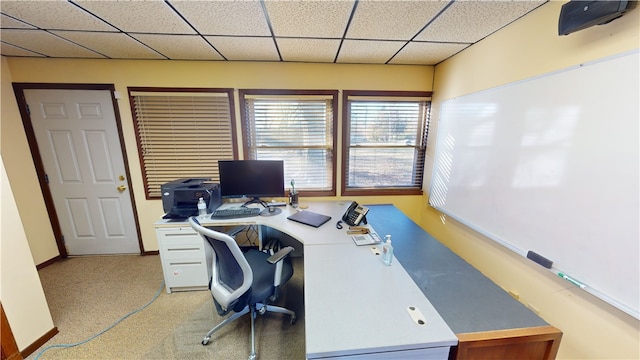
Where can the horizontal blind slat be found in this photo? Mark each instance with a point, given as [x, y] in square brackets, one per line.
[183, 134]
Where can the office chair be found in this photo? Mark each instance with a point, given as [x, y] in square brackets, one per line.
[242, 282]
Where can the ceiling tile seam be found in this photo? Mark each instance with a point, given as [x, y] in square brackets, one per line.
[268, 20]
[421, 30]
[94, 15]
[25, 49]
[117, 28]
[346, 28]
[509, 23]
[194, 29]
[18, 20]
[75, 43]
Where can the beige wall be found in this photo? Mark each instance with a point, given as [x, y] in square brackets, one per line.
[20, 288]
[19, 166]
[592, 328]
[177, 74]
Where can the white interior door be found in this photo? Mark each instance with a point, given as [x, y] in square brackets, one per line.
[78, 141]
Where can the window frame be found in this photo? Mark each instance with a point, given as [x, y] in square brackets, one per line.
[334, 94]
[346, 141]
[164, 90]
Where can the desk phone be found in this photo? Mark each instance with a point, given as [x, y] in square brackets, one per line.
[355, 214]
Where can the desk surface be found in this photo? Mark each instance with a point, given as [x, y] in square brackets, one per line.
[354, 304]
[467, 300]
[305, 234]
[453, 296]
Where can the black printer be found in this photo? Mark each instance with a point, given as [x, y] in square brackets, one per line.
[180, 197]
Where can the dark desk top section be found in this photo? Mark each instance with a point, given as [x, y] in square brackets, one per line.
[466, 299]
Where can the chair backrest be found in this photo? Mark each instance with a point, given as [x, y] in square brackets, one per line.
[231, 275]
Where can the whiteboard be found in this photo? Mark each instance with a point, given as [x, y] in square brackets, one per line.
[551, 165]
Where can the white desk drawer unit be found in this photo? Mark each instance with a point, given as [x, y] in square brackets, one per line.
[182, 253]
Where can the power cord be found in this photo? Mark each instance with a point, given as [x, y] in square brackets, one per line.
[155, 297]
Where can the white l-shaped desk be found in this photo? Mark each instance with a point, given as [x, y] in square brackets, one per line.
[355, 306]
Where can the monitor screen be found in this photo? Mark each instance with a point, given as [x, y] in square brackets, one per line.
[251, 178]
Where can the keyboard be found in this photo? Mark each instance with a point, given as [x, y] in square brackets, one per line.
[235, 213]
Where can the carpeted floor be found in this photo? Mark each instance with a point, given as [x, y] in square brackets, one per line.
[86, 295]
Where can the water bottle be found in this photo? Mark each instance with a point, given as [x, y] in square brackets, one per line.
[387, 251]
[202, 208]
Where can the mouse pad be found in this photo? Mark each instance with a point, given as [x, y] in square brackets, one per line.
[309, 218]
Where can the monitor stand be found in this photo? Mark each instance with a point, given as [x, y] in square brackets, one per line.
[268, 210]
[255, 200]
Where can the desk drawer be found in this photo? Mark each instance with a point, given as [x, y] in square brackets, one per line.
[184, 252]
[186, 274]
[170, 237]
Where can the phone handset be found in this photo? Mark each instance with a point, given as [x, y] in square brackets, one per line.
[355, 214]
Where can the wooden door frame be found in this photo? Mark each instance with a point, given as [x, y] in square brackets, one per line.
[9, 346]
[18, 89]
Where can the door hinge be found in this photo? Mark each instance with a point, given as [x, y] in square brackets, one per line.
[28, 110]
[46, 178]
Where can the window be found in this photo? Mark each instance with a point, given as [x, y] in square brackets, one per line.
[384, 142]
[297, 127]
[181, 133]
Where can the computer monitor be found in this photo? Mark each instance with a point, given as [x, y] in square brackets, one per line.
[251, 178]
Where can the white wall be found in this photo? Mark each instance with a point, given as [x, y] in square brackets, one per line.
[20, 288]
[528, 47]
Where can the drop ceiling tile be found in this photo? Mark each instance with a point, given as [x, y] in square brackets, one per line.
[115, 46]
[61, 15]
[7, 22]
[368, 52]
[139, 16]
[245, 48]
[180, 47]
[426, 53]
[45, 43]
[308, 50]
[471, 21]
[316, 19]
[10, 50]
[242, 18]
[392, 20]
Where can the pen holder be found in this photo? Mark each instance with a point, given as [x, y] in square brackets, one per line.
[293, 199]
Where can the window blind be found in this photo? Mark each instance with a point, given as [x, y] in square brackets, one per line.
[181, 135]
[298, 129]
[385, 143]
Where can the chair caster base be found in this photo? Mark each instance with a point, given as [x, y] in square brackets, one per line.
[252, 357]
[293, 320]
[205, 341]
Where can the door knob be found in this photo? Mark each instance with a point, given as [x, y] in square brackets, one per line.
[121, 188]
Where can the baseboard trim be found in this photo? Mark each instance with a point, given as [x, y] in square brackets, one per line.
[48, 262]
[38, 343]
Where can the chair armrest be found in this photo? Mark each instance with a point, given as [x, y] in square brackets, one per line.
[280, 255]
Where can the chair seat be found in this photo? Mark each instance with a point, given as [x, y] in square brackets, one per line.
[263, 274]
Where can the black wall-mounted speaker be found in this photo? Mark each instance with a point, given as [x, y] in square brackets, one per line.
[578, 15]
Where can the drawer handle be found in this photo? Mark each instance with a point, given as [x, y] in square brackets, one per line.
[185, 249]
[186, 263]
[180, 234]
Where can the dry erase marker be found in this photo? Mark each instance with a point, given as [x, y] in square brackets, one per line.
[574, 282]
